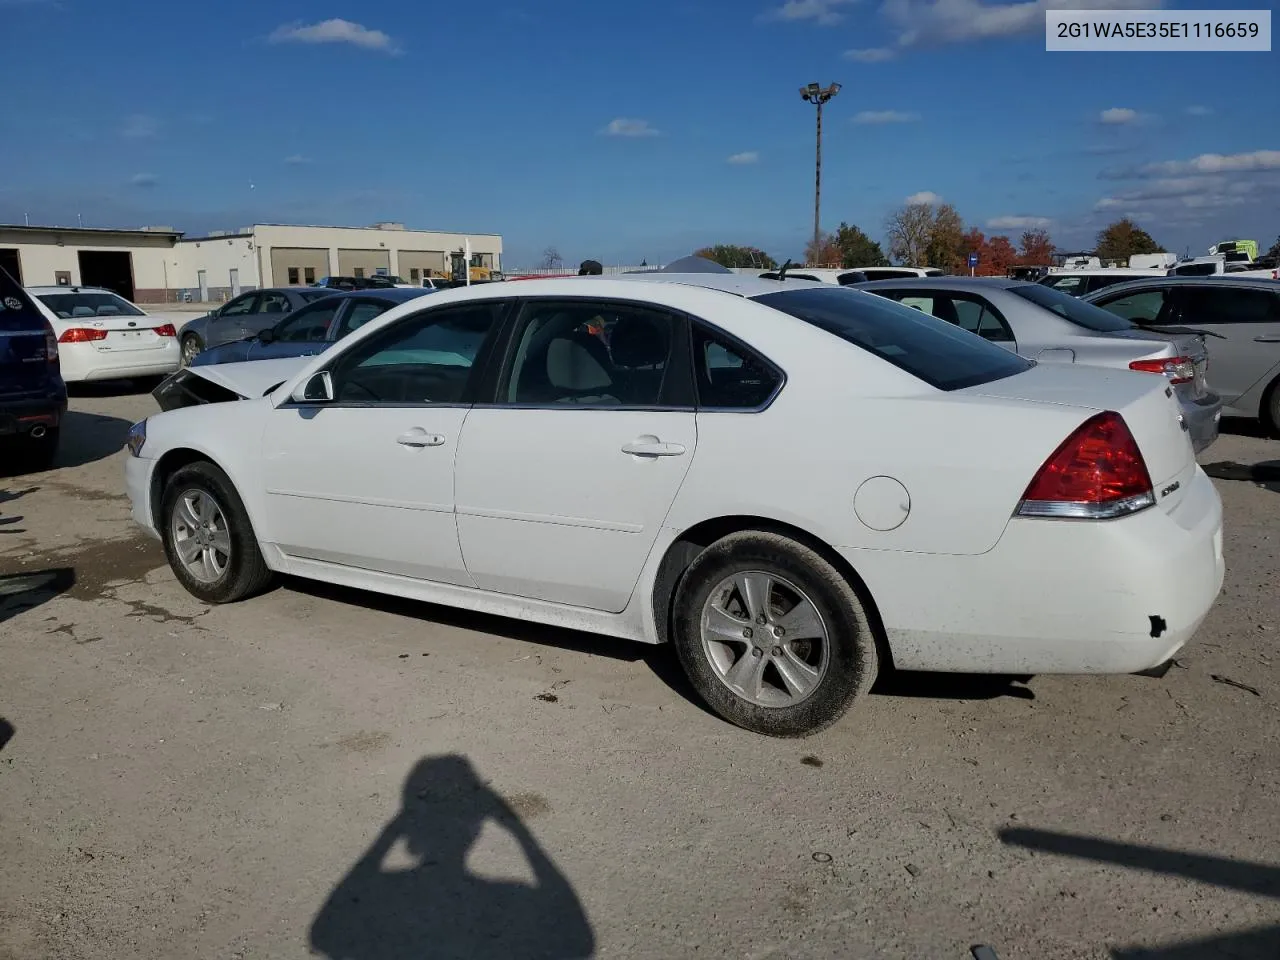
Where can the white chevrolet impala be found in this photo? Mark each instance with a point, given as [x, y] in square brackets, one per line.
[798, 485]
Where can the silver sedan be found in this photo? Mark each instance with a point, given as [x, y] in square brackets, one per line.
[1043, 324]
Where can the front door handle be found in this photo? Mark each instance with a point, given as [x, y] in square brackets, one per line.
[417, 437]
[1266, 339]
[651, 446]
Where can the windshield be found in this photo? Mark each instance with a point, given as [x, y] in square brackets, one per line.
[1071, 309]
[69, 305]
[940, 354]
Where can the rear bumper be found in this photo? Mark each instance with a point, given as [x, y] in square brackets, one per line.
[1203, 420]
[18, 417]
[1062, 596]
[87, 364]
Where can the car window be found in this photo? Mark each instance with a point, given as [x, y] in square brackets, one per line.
[308, 325]
[310, 296]
[853, 276]
[1143, 306]
[730, 377]
[584, 353]
[925, 347]
[1067, 284]
[17, 312]
[424, 358]
[273, 302]
[968, 313]
[1070, 308]
[67, 305]
[1100, 281]
[1224, 305]
[360, 313]
[240, 306]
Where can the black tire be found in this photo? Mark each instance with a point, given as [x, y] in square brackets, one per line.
[1270, 412]
[190, 346]
[246, 571]
[853, 658]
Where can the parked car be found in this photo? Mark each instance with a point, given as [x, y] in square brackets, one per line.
[102, 336]
[1044, 324]
[1241, 315]
[244, 316]
[793, 483]
[1081, 282]
[33, 397]
[820, 275]
[379, 281]
[310, 329]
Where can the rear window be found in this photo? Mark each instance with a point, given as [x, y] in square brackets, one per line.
[1071, 309]
[69, 306]
[942, 355]
[17, 312]
[310, 295]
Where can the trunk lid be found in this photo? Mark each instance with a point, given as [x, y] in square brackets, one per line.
[1145, 401]
[118, 326]
[28, 357]
[1172, 342]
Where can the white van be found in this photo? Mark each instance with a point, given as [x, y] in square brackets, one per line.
[1079, 282]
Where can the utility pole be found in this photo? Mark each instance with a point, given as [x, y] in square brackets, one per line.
[818, 95]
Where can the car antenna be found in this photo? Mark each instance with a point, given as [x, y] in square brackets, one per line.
[782, 274]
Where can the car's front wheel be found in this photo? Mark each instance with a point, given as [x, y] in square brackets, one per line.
[191, 348]
[1270, 413]
[772, 636]
[208, 538]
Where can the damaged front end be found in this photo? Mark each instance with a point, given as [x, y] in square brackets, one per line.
[220, 382]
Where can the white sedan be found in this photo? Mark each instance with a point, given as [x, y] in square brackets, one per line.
[796, 484]
[102, 336]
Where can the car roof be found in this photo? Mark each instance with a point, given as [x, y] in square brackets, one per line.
[1225, 280]
[398, 294]
[974, 284]
[742, 285]
[71, 289]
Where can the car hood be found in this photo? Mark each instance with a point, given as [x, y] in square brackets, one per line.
[219, 382]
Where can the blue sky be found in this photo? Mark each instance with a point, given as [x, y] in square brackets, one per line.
[621, 135]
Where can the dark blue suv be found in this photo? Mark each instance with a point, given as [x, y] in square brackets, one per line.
[33, 398]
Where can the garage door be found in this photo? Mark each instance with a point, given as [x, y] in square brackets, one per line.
[362, 263]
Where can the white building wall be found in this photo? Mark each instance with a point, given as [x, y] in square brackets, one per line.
[43, 255]
[218, 256]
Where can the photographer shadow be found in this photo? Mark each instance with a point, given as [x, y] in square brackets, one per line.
[435, 907]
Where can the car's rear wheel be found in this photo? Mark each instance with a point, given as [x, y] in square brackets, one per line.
[191, 348]
[1270, 412]
[772, 636]
[208, 538]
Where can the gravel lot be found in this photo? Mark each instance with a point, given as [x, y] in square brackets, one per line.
[322, 769]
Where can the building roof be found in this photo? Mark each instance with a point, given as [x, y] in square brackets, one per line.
[138, 231]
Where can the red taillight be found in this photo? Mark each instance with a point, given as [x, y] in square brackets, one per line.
[50, 344]
[1177, 369]
[1097, 473]
[166, 330]
[81, 335]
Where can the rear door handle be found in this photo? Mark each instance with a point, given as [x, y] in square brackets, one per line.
[417, 437]
[1266, 339]
[652, 447]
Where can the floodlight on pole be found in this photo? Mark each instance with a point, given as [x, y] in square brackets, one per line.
[816, 94]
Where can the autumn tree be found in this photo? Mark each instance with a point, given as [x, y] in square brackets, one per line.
[733, 255]
[909, 229]
[1123, 239]
[1036, 248]
[946, 239]
[551, 259]
[973, 241]
[1000, 256]
[822, 251]
[857, 249]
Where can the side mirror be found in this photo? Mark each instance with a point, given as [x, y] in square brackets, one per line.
[267, 336]
[318, 388]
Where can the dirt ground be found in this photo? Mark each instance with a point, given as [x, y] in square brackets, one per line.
[322, 770]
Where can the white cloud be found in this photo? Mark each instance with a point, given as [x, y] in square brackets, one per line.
[1018, 223]
[885, 116]
[1254, 162]
[297, 160]
[924, 196]
[144, 180]
[334, 31]
[823, 12]
[140, 126]
[871, 55]
[745, 158]
[920, 23]
[1117, 115]
[1195, 110]
[625, 127]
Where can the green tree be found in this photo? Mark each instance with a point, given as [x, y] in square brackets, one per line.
[1124, 238]
[857, 249]
[732, 255]
[946, 239]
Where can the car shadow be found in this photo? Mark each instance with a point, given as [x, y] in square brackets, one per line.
[912, 684]
[1243, 427]
[20, 592]
[1265, 474]
[86, 438]
[411, 894]
[114, 388]
[6, 732]
[1256, 879]
[9, 524]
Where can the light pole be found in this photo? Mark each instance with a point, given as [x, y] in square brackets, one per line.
[818, 95]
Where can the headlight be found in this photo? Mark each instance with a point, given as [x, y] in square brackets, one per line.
[137, 438]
